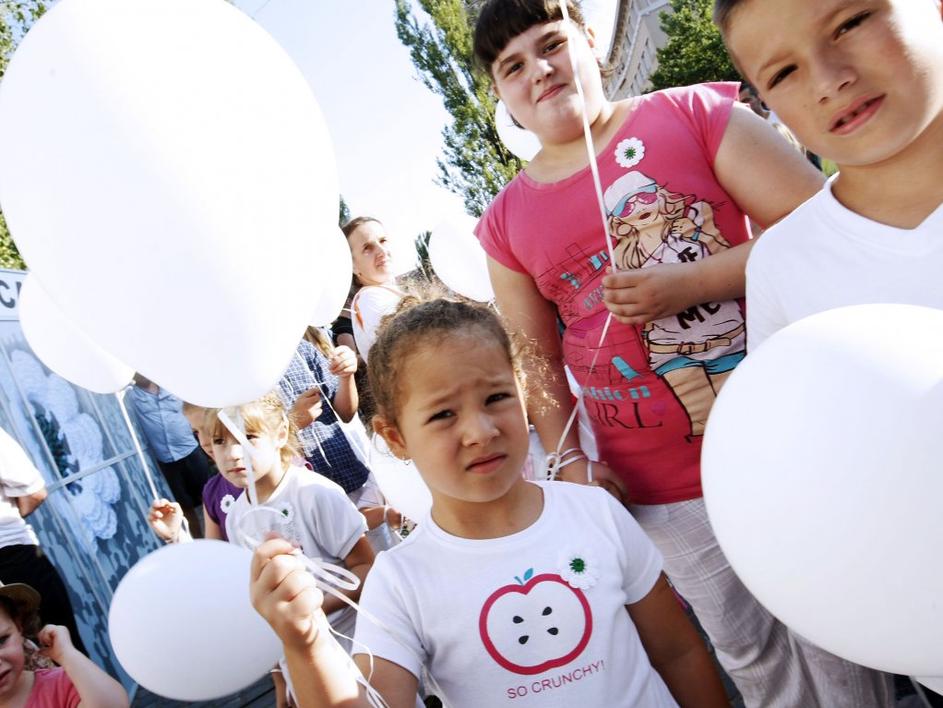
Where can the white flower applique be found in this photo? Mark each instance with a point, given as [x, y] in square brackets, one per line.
[225, 504]
[579, 570]
[630, 152]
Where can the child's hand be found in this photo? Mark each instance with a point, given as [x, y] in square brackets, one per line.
[343, 362]
[165, 517]
[645, 294]
[55, 642]
[307, 407]
[285, 594]
[603, 476]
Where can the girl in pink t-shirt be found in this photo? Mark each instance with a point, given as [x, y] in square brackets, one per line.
[76, 681]
[680, 171]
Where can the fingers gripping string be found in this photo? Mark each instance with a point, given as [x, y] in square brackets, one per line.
[333, 580]
[327, 399]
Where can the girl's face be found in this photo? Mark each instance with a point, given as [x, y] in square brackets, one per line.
[11, 655]
[370, 253]
[230, 456]
[461, 419]
[534, 78]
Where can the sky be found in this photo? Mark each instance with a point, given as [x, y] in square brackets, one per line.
[385, 125]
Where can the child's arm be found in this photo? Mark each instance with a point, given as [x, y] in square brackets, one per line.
[285, 594]
[767, 178]
[527, 312]
[675, 650]
[358, 562]
[343, 364]
[210, 527]
[94, 686]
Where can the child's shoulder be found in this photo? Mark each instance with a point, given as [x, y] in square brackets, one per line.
[807, 223]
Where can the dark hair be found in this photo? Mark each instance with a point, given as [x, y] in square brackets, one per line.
[422, 322]
[352, 225]
[500, 21]
[723, 9]
[27, 622]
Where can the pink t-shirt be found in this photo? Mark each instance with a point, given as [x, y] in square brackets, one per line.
[651, 388]
[52, 688]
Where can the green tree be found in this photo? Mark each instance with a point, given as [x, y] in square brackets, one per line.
[343, 215]
[422, 255]
[16, 17]
[475, 164]
[695, 51]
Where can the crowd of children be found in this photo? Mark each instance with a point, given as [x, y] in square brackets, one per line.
[513, 592]
[564, 593]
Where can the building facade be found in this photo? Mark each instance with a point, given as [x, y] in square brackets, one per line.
[636, 38]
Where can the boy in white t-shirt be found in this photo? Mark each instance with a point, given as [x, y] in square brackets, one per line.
[859, 82]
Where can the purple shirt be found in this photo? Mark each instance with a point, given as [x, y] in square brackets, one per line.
[218, 496]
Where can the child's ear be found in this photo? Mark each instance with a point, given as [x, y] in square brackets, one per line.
[590, 36]
[281, 435]
[390, 433]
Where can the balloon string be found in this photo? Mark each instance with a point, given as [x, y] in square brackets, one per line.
[571, 31]
[557, 455]
[236, 430]
[137, 446]
[314, 430]
[332, 579]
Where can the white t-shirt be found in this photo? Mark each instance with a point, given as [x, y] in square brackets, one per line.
[370, 305]
[824, 256]
[18, 478]
[535, 618]
[313, 512]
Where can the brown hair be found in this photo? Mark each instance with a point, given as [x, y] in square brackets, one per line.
[424, 320]
[723, 9]
[25, 620]
[263, 416]
[500, 21]
[352, 225]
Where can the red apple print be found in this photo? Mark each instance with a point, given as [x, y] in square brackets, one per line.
[536, 625]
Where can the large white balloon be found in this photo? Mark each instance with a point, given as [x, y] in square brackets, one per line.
[400, 482]
[331, 277]
[459, 260]
[166, 173]
[182, 626]
[822, 479]
[934, 683]
[65, 348]
[522, 143]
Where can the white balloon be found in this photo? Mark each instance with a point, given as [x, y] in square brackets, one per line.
[821, 475]
[166, 172]
[459, 260]
[182, 626]
[521, 143]
[65, 348]
[934, 683]
[400, 483]
[331, 275]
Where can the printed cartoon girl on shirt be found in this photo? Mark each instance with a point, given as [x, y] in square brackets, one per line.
[693, 351]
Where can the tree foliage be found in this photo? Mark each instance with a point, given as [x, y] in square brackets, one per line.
[474, 164]
[16, 17]
[343, 214]
[695, 51]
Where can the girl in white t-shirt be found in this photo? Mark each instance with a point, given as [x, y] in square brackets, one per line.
[309, 510]
[509, 592]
